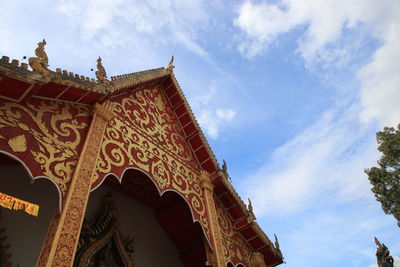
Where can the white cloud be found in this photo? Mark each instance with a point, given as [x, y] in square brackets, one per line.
[213, 120]
[381, 82]
[225, 114]
[174, 21]
[325, 40]
[326, 160]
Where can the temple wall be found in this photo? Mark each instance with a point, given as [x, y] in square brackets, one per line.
[25, 232]
[152, 247]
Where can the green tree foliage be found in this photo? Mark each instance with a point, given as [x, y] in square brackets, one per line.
[385, 179]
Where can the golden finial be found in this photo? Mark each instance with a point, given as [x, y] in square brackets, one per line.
[171, 67]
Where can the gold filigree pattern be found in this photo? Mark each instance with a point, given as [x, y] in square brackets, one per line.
[236, 249]
[18, 143]
[51, 132]
[146, 135]
[73, 214]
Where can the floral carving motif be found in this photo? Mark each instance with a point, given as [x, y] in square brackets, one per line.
[236, 249]
[80, 188]
[51, 132]
[146, 135]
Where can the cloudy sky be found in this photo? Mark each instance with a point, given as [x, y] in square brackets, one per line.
[290, 93]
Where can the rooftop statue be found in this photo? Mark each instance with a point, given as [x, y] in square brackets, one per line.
[101, 72]
[382, 255]
[41, 61]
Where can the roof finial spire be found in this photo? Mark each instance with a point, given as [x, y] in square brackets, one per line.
[171, 67]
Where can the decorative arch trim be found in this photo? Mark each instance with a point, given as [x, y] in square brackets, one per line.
[34, 178]
[160, 193]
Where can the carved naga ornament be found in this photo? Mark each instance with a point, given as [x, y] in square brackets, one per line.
[41, 61]
[383, 257]
[171, 66]
[101, 76]
[101, 243]
[251, 212]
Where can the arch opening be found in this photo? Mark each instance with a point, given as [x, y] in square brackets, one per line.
[165, 218]
[25, 233]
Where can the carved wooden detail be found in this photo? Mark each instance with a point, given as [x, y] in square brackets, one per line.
[101, 243]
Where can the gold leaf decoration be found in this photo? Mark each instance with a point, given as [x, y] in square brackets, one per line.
[18, 143]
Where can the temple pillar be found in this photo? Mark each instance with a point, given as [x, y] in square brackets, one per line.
[63, 235]
[208, 188]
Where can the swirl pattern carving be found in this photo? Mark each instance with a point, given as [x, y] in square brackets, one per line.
[146, 135]
[236, 249]
[51, 134]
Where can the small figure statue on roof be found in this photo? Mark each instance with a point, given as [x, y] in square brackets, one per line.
[250, 209]
[41, 61]
[383, 255]
[101, 72]
[171, 67]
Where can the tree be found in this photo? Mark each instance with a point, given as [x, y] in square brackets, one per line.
[385, 179]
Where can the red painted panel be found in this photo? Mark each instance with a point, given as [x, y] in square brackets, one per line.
[219, 188]
[72, 94]
[209, 166]
[175, 100]
[91, 97]
[185, 119]
[170, 91]
[189, 129]
[180, 110]
[242, 223]
[227, 200]
[248, 232]
[256, 243]
[202, 154]
[195, 142]
[50, 90]
[13, 88]
[167, 82]
[236, 213]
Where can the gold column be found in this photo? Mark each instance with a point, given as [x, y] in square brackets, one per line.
[208, 188]
[63, 234]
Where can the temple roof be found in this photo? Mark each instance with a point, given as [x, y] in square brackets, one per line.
[63, 85]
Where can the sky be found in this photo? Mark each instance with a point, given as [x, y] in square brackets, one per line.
[290, 93]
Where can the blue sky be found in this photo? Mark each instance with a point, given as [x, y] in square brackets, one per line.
[290, 93]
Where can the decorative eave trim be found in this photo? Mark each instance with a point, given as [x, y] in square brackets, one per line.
[193, 118]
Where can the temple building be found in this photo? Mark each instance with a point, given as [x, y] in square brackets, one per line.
[114, 172]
